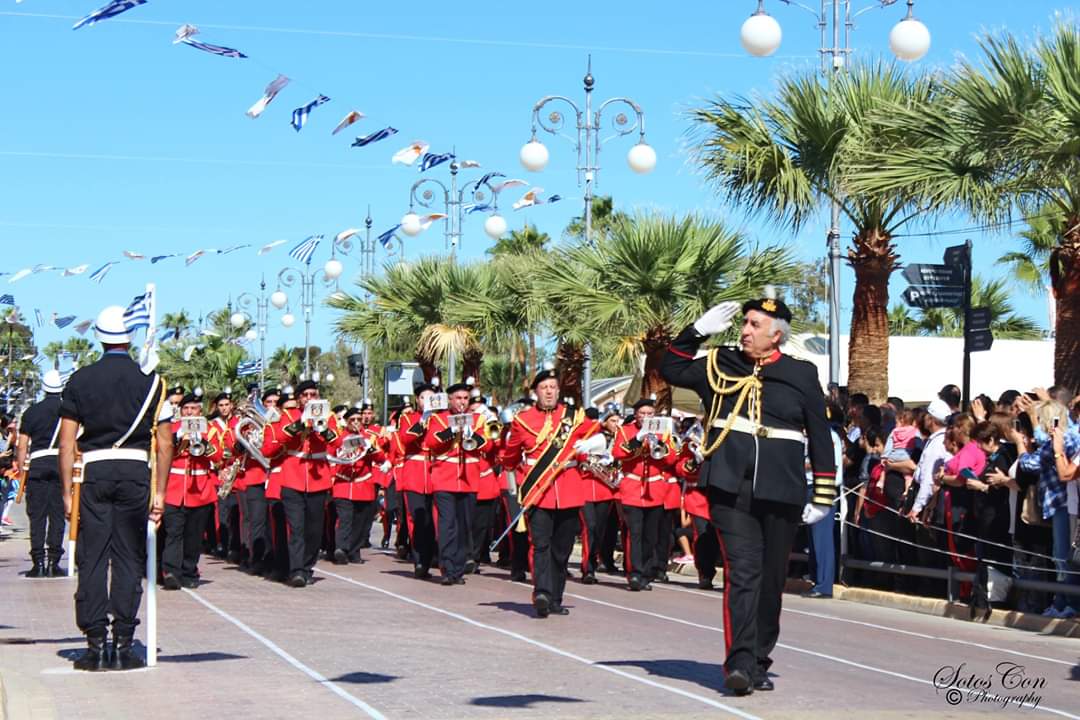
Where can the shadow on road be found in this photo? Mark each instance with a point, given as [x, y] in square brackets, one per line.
[707, 675]
[521, 701]
[200, 657]
[364, 678]
[520, 608]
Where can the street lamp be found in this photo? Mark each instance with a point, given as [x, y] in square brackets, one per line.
[456, 209]
[641, 158]
[262, 311]
[909, 41]
[306, 276]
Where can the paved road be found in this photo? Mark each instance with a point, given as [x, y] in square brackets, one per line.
[371, 641]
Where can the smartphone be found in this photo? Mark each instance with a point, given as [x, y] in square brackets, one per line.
[1057, 420]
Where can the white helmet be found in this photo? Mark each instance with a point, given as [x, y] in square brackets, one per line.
[110, 328]
[51, 382]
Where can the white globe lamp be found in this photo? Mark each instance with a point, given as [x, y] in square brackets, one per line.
[288, 320]
[278, 299]
[642, 158]
[251, 335]
[333, 268]
[495, 226]
[760, 34]
[237, 320]
[534, 156]
[909, 39]
[410, 224]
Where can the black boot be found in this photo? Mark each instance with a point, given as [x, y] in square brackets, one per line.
[124, 656]
[54, 567]
[38, 570]
[94, 658]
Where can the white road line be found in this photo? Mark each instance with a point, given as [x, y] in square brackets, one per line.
[314, 675]
[543, 646]
[785, 646]
[911, 633]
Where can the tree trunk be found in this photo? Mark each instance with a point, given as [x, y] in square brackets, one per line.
[656, 344]
[874, 259]
[570, 363]
[1065, 281]
[427, 367]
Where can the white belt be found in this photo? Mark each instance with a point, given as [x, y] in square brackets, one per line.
[307, 456]
[343, 478]
[448, 458]
[44, 453]
[416, 457]
[635, 476]
[489, 471]
[182, 471]
[91, 456]
[745, 425]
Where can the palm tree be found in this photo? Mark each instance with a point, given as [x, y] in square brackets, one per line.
[604, 216]
[1030, 265]
[651, 276]
[901, 321]
[178, 322]
[1008, 133]
[520, 242]
[81, 351]
[52, 353]
[785, 158]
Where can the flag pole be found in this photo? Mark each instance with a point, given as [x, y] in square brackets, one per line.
[150, 361]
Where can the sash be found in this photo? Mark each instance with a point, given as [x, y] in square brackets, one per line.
[552, 461]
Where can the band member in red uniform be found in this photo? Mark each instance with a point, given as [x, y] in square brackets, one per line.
[488, 488]
[541, 445]
[276, 566]
[414, 480]
[761, 404]
[600, 495]
[305, 480]
[354, 490]
[706, 546]
[647, 462]
[189, 500]
[230, 543]
[455, 475]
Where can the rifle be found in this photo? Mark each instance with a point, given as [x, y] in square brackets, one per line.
[73, 522]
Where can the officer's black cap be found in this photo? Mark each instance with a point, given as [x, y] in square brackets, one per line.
[365, 405]
[544, 374]
[770, 306]
[190, 398]
[644, 402]
[423, 387]
[176, 390]
[222, 396]
[340, 408]
[271, 393]
[306, 385]
[352, 412]
[458, 387]
[592, 413]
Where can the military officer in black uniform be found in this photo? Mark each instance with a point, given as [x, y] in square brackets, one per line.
[764, 409]
[119, 408]
[39, 433]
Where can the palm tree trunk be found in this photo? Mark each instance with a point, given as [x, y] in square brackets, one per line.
[873, 258]
[427, 367]
[511, 381]
[656, 344]
[570, 362]
[1065, 281]
[471, 360]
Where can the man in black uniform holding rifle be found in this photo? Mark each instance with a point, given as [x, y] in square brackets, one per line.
[763, 407]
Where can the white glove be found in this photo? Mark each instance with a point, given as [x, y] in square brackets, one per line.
[385, 467]
[717, 319]
[641, 435]
[813, 513]
[594, 444]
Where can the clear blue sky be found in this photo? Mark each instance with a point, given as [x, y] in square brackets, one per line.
[115, 139]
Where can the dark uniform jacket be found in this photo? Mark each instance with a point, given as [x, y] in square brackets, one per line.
[791, 400]
[40, 423]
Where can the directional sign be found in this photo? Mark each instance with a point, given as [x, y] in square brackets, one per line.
[956, 255]
[921, 274]
[926, 296]
[979, 340]
[978, 319]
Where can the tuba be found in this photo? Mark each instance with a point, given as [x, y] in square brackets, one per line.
[253, 419]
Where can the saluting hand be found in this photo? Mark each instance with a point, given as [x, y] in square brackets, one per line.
[717, 319]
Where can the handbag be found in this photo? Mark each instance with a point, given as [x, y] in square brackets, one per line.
[1031, 511]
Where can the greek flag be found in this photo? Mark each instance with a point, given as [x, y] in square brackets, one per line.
[99, 274]
[387, 237]
[486, 179]
[63, 322]
[39, 317]
[300, 114]
[7, 299]
[137, 314]
[374, 137]
[306, 249]
[470, 208]
[65, 375]
[248, 368]
[431, 160]
[111, 10]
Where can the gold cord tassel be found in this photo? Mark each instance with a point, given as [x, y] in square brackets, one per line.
[748, 388]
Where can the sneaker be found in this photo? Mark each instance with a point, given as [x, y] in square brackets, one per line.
[8, 521]
[684, 560]
[1068, 613]
[1050, 612]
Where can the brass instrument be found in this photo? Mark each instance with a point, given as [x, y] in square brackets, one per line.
[353, 447]
[599, 461]
[318, 413]
[249, 428]
[657, 448]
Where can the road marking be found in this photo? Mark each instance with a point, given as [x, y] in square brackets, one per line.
[911, 633]
[543, 646]
[785, 646]
[314, 675]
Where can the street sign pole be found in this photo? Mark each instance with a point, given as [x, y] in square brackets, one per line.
[967, 323]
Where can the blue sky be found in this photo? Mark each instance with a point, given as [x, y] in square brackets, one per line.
[115, 139]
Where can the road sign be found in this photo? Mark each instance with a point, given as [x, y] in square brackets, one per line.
[978, 319]
[922, 274]
[979, 340]
[928, 296]
[956, 255]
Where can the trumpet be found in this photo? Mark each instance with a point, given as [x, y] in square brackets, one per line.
[469, 442]
[197, 446]
[657, 448]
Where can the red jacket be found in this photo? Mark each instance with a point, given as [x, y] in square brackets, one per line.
[695, 500]
[356, 481]
[453, 469]
[644, 482]
[490, 482]
[531, 435]
[414, 471]
[305, 468]
[190, 481]
[596, 490]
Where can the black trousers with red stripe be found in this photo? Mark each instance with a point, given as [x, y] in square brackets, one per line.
[755, 540]
[594, 521]
[552, 534]
[706, 548]
[641, 534]
[418, 513]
